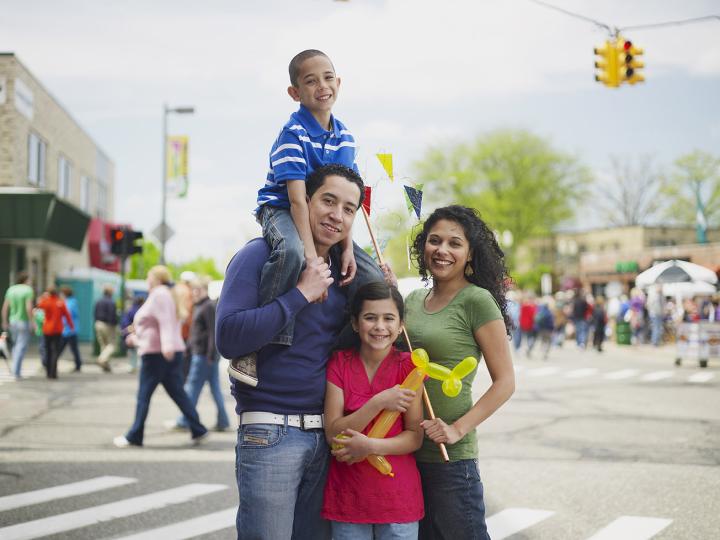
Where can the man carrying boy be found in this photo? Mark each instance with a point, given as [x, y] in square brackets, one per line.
[311, 138]
[281, 453]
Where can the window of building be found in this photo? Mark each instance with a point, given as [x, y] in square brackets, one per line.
[85, 193]
[37, 149]
[64, 175]
[101, 201]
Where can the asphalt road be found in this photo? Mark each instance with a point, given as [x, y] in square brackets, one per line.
[616, 445]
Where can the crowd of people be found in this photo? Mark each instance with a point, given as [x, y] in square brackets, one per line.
[589, 320]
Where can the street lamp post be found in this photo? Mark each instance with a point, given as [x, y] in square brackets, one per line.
[163, 226]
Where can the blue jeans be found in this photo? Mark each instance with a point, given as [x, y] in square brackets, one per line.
[73, 342]
[20, 333]
[282, 270]
[280, 473]
[581, 332]
[454, 505]
[156, 370]
[374, 531]
[656, 329]
[202, 371]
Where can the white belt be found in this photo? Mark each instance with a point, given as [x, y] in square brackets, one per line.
[302, 421]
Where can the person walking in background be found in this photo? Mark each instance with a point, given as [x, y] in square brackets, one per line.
[55, 311]
[106, 321]
[69, 334]
[544, 326]
[126, 328]
[637, 316]
[599, 322]
[580, 308]
[656, 312]
[204, 359]
[183, 293]
[17, 317]
[513, 307]
[156, 334]
[528, 309]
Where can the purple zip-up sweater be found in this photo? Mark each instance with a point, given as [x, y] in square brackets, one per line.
[292, 379]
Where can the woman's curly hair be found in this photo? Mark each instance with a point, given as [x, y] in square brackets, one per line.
[487, 262]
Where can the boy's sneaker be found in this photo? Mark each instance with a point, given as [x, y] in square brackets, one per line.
[244, 369]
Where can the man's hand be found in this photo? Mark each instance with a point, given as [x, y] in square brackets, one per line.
[348, 266]
[394, 399]
[315, 279]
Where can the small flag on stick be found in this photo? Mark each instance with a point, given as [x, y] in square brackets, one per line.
[387, 163]
[366, 199]
[413, 197]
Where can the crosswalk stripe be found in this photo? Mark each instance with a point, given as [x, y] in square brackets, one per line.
[542, 371]
[632, 528]
[60, 492]
[657, 376]
[511, 520]
[106, 512]
[190, 528]
[700, 377]
[622, 374]
[582, 372]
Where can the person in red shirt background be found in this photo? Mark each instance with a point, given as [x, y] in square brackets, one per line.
[55, 311]
[528, 309]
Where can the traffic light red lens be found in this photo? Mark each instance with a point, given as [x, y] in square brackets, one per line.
[119, 235]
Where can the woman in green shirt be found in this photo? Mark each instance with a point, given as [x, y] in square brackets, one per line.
[463, 314]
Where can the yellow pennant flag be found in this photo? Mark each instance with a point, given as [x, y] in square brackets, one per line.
[386, 160]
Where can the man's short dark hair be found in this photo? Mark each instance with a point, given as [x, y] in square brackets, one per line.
[21, 277]
[316, 179]
[298, 59]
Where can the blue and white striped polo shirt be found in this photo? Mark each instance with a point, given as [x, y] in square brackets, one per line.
[303, 146]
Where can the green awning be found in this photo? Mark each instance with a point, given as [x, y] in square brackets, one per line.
[30, 215]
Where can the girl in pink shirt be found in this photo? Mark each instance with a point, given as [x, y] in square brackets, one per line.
[359, 501]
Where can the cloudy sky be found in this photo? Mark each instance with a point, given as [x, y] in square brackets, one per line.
[414, 74]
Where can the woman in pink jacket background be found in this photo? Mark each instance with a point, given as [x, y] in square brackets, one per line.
[156, 334]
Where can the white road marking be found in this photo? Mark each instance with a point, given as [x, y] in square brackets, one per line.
[512, 520]
[190, 528]
[622, 374]
[106, 512]
[657, 376]
[542, 371]
[631, 528]
[701, 377]
[582, 372]
[60, 492]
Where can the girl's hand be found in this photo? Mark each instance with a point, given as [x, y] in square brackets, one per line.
[356, 447]
[439, 432]
[389, 275]
[395, 398]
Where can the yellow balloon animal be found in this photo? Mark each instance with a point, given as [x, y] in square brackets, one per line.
[451, 386]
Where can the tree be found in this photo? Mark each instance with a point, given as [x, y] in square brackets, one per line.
[631, 196]
[517, 181]
[142, 262]
[694, 184]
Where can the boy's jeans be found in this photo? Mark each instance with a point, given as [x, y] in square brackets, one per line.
[280, 473]
[201, 371]
[20, 333]
[287, 258]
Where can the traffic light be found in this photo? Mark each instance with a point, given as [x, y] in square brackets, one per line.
[629, 62]
[122, 241]
[607, 64]
[117, 241]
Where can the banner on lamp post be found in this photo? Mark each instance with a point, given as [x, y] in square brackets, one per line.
[177, 166]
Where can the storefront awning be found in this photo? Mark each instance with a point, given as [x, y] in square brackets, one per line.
[27, 214]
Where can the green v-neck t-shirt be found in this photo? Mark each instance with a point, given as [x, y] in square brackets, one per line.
[448, 336]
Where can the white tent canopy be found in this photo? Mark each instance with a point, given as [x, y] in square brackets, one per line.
[688, 289]
[675, 271]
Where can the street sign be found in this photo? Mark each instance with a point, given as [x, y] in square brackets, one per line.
[163, 232]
